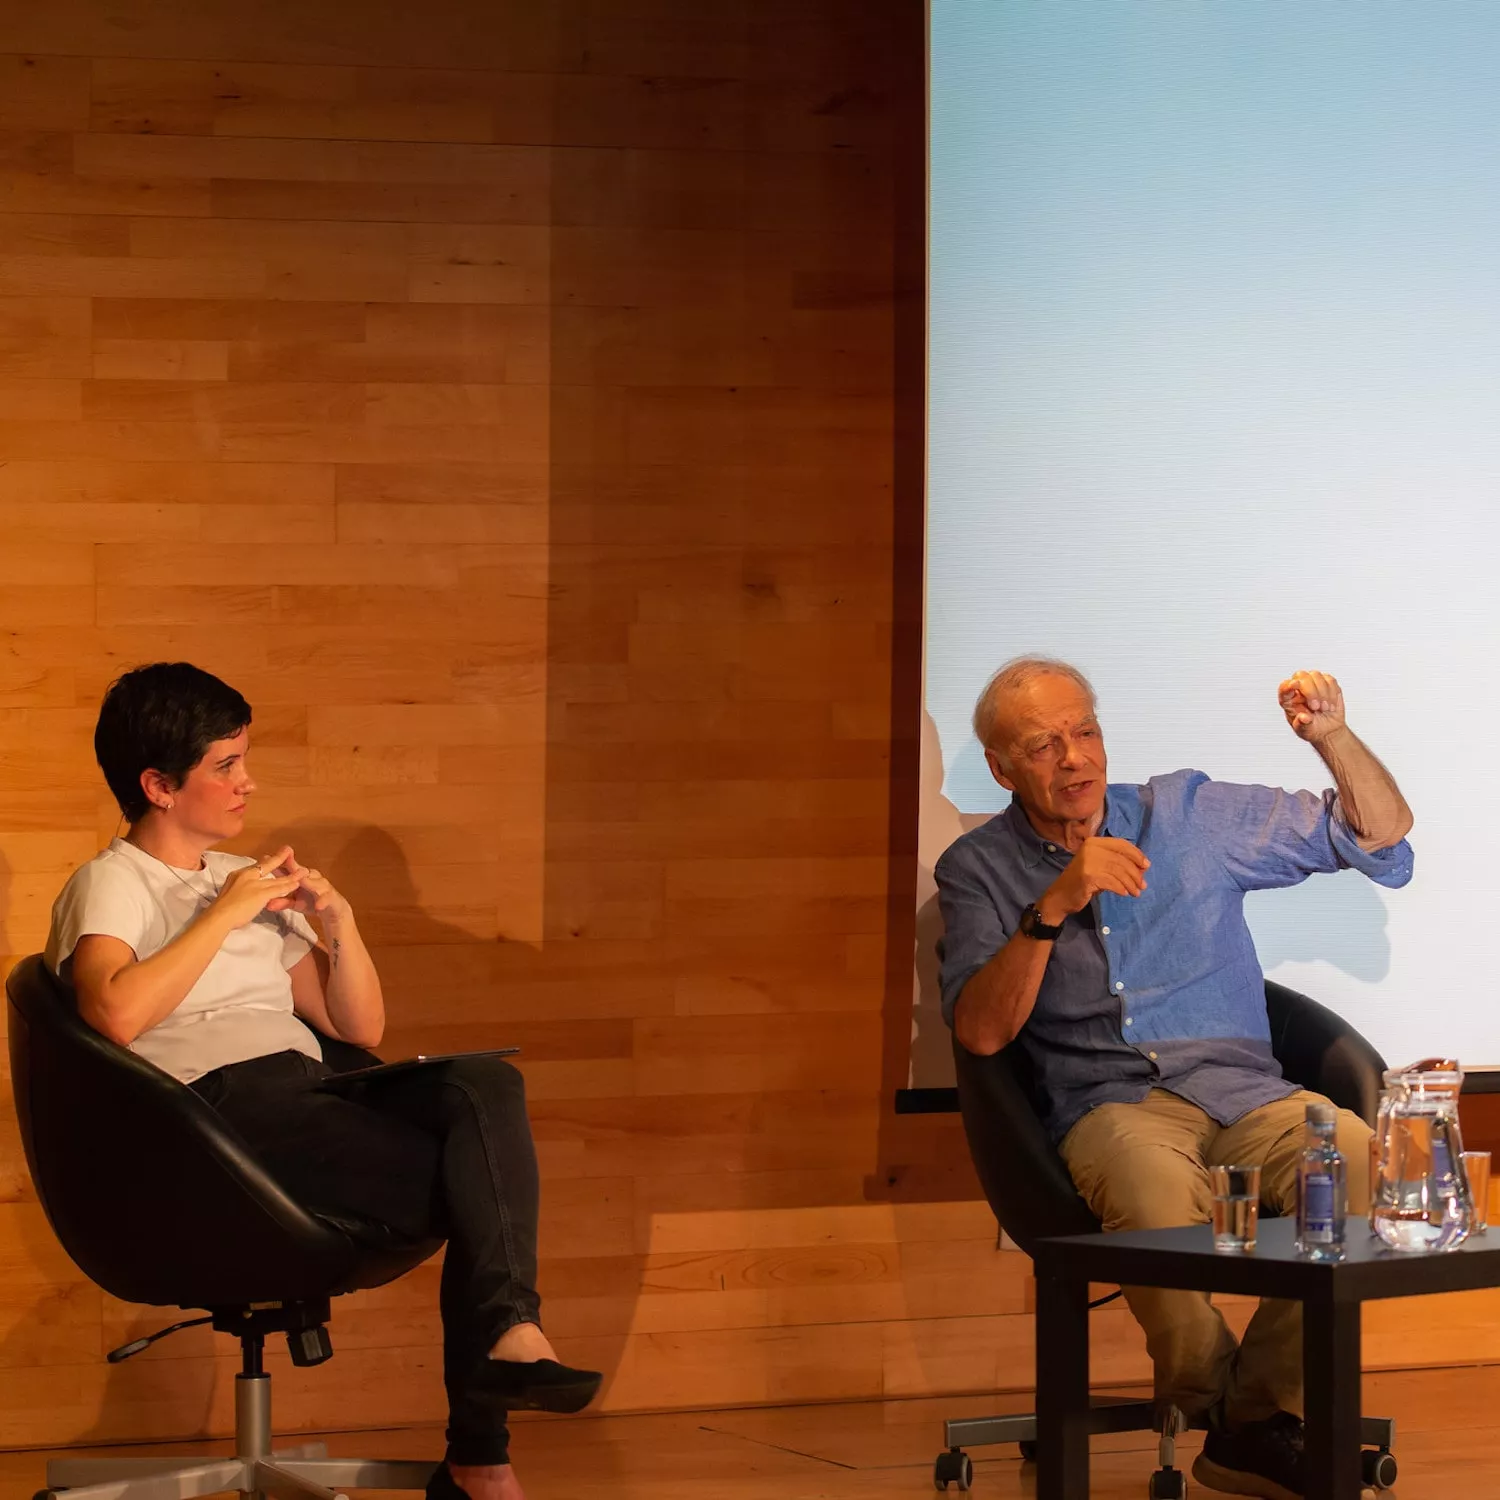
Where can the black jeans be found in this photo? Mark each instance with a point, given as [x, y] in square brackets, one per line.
[444, 1150]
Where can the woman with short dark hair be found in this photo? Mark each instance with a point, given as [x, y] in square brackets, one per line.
[207, 965]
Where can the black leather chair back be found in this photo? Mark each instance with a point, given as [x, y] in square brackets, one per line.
[1321, 1051]
[150, 1192]
[1019, 1169]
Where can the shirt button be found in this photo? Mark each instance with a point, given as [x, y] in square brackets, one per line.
[1119, 984]
[1051, 848]
[1129, 1020]
[1152, 1056]
[1105, 931]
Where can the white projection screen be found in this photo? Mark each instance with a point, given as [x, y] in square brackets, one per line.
[1214, 395]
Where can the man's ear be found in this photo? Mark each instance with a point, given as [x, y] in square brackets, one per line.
[997, 771]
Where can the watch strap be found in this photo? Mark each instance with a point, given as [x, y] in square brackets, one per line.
[1032, 925]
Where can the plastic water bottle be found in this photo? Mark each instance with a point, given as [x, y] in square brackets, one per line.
[1322, 1188]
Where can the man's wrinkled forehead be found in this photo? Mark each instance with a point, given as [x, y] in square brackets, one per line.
[1043, 707]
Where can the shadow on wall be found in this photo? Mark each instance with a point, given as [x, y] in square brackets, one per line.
[1340, 919]
[370, 866]
[940, 822]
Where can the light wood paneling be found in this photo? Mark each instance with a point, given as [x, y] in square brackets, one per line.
[503, 397]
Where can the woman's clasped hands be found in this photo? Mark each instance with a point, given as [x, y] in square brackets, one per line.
[278, 882]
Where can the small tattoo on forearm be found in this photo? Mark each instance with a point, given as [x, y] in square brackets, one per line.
[333, 953]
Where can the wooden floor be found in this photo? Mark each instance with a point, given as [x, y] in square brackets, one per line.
[1448, 1439]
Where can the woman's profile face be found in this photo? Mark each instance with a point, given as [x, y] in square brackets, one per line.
[211, 800]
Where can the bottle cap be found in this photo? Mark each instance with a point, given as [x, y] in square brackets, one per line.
[1319, 1112]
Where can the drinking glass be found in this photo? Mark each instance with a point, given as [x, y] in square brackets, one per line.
[1477, 1170]
[1236, 1207]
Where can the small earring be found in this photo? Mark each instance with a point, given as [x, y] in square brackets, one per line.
[169, 805]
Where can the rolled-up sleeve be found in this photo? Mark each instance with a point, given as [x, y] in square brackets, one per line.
[1268, 837]
[973, 932]
[1390, 867]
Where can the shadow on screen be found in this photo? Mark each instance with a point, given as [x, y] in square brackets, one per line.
[1340, 919]
[970, 781]
[941, 823]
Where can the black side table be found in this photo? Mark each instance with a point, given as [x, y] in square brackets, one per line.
[1185, 1259]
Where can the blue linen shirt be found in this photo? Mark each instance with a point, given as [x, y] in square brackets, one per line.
[1163, 990]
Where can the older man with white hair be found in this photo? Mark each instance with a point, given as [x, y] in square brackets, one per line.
[1101, 928]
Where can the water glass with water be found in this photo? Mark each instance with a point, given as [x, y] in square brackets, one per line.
[1236, 1207]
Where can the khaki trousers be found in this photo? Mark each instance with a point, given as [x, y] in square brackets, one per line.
[1145, 1166]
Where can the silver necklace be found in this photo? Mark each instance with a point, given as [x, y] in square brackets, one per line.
[203, 900]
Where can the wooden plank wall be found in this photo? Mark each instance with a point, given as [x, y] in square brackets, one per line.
[501, 395]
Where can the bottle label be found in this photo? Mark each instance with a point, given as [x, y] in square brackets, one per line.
[1317, 1208]
[1442, 1158]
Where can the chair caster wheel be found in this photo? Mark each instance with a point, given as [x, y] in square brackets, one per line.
[1028, 1452]
[953, 1467]
[1377, 1467]
[1167, 1484]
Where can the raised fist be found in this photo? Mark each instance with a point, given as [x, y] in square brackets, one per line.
[1313, 704]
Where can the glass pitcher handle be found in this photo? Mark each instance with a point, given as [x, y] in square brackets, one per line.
[1451, 1178]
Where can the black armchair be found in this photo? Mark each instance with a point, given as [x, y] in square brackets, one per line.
[158, 1200]
[1033, 1196]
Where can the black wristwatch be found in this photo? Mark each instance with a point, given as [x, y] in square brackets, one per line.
[1032, 925]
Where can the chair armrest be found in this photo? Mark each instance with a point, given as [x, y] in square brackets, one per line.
[1023, 1177]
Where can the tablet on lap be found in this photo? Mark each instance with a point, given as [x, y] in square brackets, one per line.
[357, 1077]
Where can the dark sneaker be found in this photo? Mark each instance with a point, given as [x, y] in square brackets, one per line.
[1262, 1458]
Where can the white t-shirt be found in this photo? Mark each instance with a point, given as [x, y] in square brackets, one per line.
[241, 1006]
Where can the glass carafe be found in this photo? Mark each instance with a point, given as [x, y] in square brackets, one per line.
[1421, 1193]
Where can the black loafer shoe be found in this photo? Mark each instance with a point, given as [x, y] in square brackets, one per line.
[1262, 1458]
[541, 1384]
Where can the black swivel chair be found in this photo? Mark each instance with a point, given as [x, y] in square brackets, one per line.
[1033, 1197]
[157, 1199]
